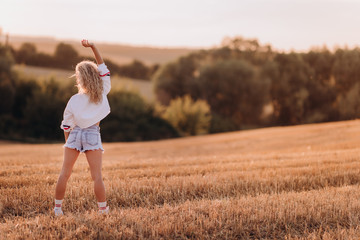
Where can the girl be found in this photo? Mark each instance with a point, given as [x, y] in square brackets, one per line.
[82, 117]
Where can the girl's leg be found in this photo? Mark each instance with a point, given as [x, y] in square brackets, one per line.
[70, 156]
[94, 158]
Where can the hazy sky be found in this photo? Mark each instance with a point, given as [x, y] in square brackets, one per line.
[285, 24]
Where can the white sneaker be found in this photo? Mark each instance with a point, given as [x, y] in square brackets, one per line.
[104, 211]
[58, 212]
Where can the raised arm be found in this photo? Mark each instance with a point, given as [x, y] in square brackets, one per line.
[96, 52]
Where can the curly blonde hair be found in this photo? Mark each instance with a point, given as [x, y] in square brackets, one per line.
[89, 81]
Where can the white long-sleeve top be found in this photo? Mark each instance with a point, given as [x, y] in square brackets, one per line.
[81, 112]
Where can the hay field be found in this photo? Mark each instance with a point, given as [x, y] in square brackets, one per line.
[298, 182]
[143, 87]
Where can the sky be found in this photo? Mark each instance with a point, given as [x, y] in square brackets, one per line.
[284, 24]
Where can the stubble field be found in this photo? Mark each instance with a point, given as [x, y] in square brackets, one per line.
[297, 182]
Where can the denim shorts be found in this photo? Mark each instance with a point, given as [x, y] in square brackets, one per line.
[84, 139]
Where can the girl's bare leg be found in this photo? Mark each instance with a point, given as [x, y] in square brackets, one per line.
[94, 158]
[70, 156]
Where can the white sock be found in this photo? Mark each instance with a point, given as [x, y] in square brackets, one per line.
[102, 205]
[58, 204]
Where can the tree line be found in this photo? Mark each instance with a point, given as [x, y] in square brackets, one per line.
[32, 110]
[239, 85]
[66, 57]
[248, 85]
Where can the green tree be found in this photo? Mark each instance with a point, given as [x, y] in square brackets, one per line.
[175, 79]
[290, 76]
[7, 93]
[247, 49]
[319, 106]
[7, 85]
[227, 78]
[349, 103]
[136, 69]
[6, 62]
[233, 90]
[189, 117]
[346, 69]
[66, 56]
[322, 62]
[26, 53]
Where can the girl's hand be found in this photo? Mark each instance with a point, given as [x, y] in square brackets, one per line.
[86, 43]
[97, 55]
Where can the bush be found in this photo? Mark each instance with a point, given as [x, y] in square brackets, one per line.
[44, 110]
[187, 116]
[136, 69]
[132, 119]
[7, 92]
[220, 124]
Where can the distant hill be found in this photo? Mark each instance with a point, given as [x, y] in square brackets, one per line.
[118, 53]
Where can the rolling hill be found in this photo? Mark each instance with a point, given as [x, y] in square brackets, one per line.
[119, 53]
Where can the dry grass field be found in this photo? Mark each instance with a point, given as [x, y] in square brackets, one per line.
[298, 182]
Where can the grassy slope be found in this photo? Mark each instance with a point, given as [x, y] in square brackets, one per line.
[284, 182]
[144, 87]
